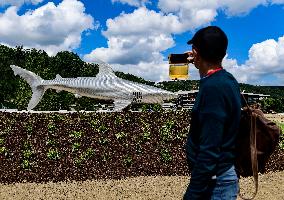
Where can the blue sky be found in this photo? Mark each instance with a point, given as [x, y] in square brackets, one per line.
[136, 36]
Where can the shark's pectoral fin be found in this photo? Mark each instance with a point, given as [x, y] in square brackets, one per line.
[119, 105]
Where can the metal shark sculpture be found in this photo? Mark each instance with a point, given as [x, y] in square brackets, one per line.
[106, 85]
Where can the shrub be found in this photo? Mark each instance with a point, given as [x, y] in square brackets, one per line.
[26, 164]
[51, 127]
[121, 135]
[166, 156]
[3, 150]
[76, 134]
[128, 161]
[75, 146]
[27, 153]
[2, 141]
[53, 154]
[51, 142]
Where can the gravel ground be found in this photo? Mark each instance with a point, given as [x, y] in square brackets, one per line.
[270, 187]
[275, 117]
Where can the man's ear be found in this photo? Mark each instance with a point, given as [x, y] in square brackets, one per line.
[195, 53]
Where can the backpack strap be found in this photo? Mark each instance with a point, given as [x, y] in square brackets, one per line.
[253, 149]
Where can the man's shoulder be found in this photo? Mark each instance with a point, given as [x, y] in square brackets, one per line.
[221, 77]
[223, 81]
[228, 75]
[226, 78]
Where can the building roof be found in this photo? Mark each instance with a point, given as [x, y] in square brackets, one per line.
[186, 92]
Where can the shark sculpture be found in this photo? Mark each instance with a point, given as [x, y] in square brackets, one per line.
[106, 85]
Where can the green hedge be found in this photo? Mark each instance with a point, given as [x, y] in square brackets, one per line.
[40, 147]
[43, 147]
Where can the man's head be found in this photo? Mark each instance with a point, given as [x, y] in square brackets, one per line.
[210, 44]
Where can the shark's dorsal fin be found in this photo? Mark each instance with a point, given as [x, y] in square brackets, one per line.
[58, 76]
[104, 68]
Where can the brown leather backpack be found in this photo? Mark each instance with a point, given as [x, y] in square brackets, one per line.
[256, 141]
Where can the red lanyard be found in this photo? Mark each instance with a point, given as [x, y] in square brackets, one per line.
[213, 71]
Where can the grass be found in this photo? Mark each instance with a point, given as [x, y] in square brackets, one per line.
[281, 126]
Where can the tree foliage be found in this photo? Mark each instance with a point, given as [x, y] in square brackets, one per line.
[273, 105]
[15, 92]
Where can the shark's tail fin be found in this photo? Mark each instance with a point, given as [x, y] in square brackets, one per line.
[34, 81]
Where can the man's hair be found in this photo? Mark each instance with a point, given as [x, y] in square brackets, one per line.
[211, 43]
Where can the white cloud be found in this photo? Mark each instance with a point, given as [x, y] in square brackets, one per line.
[132, 50]
[264, 54]
[236, 7]
[19, 2]
[142, 22]
[49, 27]
[192, 14]
[137, 37]
[152, 71]
[265, 59]
[185, 8]
[277, 1]
[136, 3]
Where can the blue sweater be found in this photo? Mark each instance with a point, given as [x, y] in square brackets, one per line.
[215, 117]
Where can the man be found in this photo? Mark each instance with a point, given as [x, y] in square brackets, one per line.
[210, 147]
